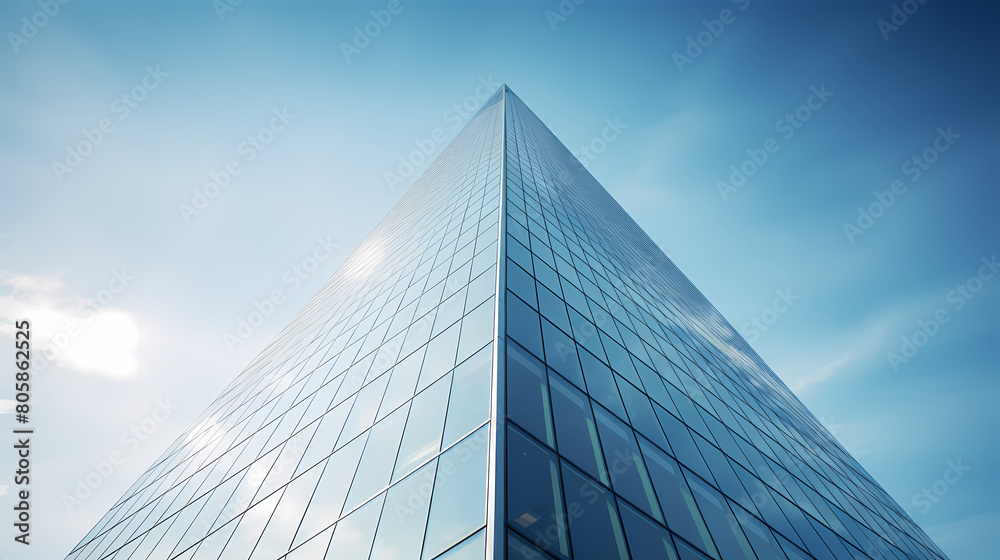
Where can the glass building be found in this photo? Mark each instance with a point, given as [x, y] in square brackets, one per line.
[507, 367]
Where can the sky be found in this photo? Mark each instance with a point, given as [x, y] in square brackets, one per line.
[822, 173]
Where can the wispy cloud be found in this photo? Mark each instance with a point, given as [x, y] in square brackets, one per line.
[70, 331]
[855, 351]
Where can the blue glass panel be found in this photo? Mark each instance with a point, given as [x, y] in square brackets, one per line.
[458, 505]
[534, 494]
[523, 325]
[528, 394]
[585, 333]
[625, 465]
[553, 309]
[682, 514]
[560, 354]
[682, 444]
[594, 529]
[472, 548]
[640, 413]
[518, 548]
[601, 383]
[645, 538]
[521, 283]
[576, 430]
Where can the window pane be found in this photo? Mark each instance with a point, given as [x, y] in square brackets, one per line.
[477, 330]
[645, 538]
[619, 358]
[688, 552]
[760, 537]
[449, 311]
[521, 283]
[792, 551]
[729, 537]
[553, 309]
[762, 500]
[653, 384]
[328, 498]
[678, 505]
[601, 383]
[800, 521]
[469, 404]
[594, 529]
[640, 413]
[403, 382]
[576, 431]
[313, 549]
[422, 435]
[458, 506]
[682, 444]
[560, 354]
[379, 456]
[585, 333]
[528, 394]
[404, 516]
[365, 406]
[534, 497]
[480, 289]
[352, 539]
[723, 473]
[520, 549]
[472, 548]
[628, 473]
[277, 536]
[440, 358]
[523, 325]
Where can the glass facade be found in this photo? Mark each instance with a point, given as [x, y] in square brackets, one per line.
[507, 367]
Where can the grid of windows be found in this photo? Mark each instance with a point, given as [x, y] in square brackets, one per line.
[595, 407]
[639, 424]
[362, 429]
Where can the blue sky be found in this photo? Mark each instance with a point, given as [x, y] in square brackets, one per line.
[263, 99]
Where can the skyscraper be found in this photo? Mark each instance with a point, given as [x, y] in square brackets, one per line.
[507, 367]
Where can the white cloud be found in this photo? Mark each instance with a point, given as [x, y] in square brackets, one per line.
[68, 331]
[6, 406]
[860, 349]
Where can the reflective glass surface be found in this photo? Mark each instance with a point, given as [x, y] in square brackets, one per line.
[319, 447]
[632, 421]
[655, 400]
